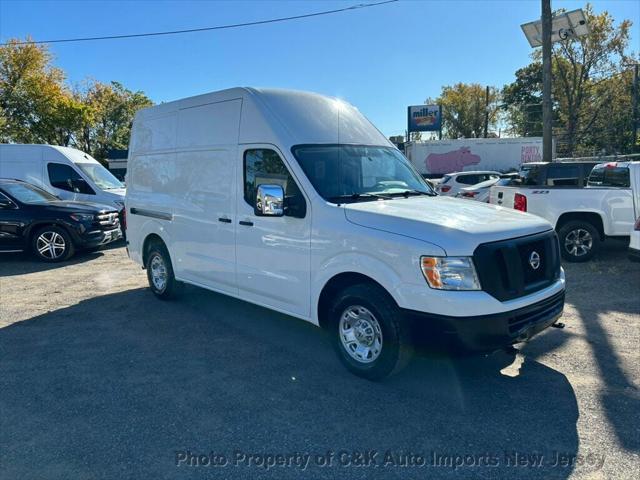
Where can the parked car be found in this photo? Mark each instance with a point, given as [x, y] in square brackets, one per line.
[583, 217]
[480, 191]
[634, 243]
[64, 172]
[32, 219]
[452, 183]
[244, 193]
[566, 174]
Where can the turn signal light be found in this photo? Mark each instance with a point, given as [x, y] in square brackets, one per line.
[445, 188]
[520, 202]
[430, 270]
[636, 227]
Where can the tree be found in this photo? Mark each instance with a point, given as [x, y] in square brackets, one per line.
[587, 89]
[110, 111]
[522, 101]
[463, 110]
[35, 105]
[578, 66]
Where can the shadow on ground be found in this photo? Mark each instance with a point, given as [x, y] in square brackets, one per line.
[25, 262]
[114, 386]
[597, 305]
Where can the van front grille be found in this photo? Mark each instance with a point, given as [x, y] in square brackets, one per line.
[517, 267]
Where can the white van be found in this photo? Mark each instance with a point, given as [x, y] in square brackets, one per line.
[65, 172]
[296, 202]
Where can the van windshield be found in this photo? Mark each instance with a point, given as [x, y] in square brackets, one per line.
[99, 175]
[355, 172]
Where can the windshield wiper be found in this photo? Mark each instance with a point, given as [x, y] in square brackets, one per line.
[406, 193]
[358, 196]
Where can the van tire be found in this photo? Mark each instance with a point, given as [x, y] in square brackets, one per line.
[585, 234]
[162, 281]
[369, 305]
[60, 238]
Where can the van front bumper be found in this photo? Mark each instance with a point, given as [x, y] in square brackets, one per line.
[485, 332]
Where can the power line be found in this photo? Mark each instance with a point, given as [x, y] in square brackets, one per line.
[206, 29]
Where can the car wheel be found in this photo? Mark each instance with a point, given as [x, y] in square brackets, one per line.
[579, 241]
[160, 272]
[52, 244]
[367, 332]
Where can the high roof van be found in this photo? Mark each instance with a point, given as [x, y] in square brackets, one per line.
[296, 202]
[65, 172]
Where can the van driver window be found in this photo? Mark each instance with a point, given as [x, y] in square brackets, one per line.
[66, 178]
[263, 166]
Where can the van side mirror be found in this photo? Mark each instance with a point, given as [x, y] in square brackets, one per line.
[269, 201]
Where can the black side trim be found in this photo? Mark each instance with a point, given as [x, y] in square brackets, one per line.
[151, 213]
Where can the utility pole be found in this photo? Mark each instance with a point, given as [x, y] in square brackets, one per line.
[547, 113]
[636, 120]
[486, 112]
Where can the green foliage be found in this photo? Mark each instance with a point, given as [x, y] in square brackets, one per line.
[110, 111]
[463, 109]
[36, 105]
[591, 91]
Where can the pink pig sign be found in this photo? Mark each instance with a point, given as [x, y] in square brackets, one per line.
[453, 161]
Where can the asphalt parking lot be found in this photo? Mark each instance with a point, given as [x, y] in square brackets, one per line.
[98, 379]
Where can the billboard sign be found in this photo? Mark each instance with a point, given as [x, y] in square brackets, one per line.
[424, 118]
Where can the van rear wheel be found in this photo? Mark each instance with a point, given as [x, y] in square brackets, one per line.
[367, 332]
[162, 281]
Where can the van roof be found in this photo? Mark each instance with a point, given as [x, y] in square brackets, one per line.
[75, 155]
[285, 117]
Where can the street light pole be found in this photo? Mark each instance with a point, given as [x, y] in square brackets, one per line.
[635, 108]
[547, 113]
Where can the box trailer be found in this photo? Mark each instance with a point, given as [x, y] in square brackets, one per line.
[439, 157]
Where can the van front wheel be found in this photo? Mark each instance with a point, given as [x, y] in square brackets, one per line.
[160, 273]
[367, 332]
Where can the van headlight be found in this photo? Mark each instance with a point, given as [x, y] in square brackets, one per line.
[450, 273]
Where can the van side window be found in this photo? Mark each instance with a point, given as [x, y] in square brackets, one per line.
[66, 178]
[263, 166]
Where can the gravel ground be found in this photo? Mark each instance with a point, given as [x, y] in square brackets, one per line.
[98, 379]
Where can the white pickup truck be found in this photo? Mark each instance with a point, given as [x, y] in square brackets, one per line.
[583, 217]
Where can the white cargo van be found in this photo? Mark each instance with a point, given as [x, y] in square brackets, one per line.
[296, 202]
[65, 172]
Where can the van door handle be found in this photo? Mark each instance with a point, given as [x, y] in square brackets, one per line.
[246, 223]
[224, 220]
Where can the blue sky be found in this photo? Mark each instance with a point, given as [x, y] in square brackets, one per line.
[381, 59]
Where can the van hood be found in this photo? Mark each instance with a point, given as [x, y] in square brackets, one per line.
[457, 226]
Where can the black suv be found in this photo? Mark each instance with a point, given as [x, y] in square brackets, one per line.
[33, 219]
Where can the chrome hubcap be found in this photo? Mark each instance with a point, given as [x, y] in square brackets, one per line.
[578, 242]
[360, 334]
[158, 273]
[51, 245]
